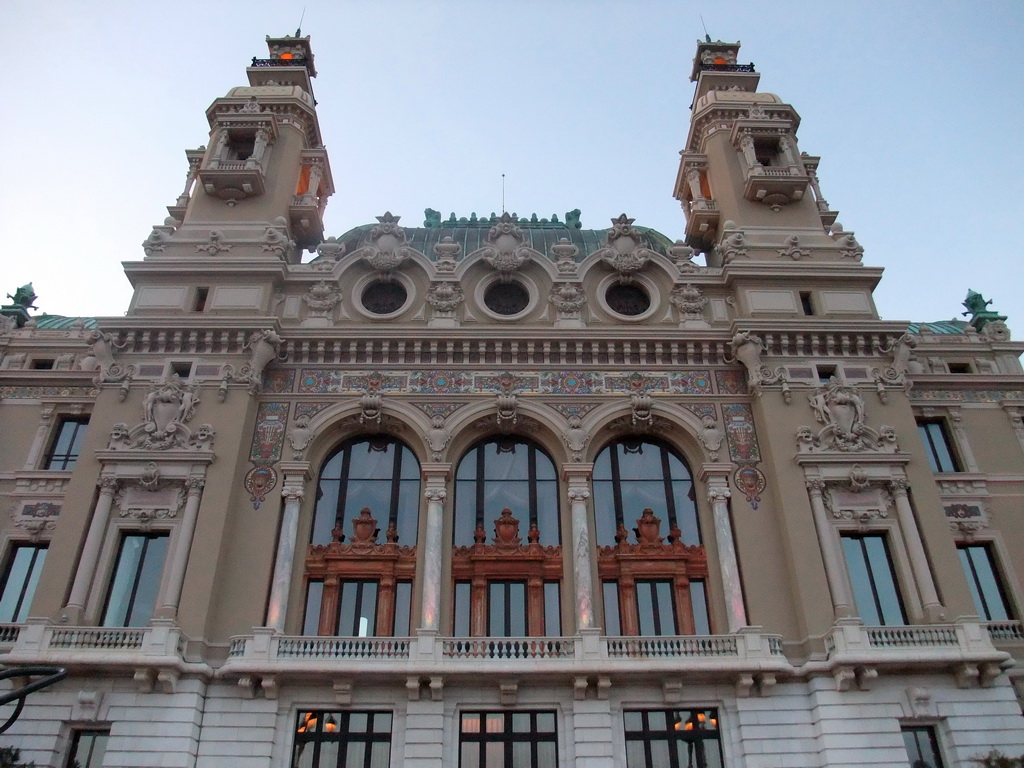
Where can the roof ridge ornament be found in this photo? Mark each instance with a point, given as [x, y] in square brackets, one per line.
[390, 246]
[623, 249]
[507, 251]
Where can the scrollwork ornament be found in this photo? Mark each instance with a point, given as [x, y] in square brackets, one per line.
[293, 493]
[718, 494]
[577, 494]
[435, 495]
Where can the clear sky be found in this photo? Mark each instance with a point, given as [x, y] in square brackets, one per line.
[915, 108]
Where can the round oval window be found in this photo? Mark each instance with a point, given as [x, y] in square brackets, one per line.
[382, 297]
[507, 298]
[629, 300]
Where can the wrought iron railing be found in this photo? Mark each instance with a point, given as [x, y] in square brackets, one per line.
[725, 67]
[278, 62]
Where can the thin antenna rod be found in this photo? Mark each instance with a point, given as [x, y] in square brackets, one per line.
[298, 32]
[503, 193]
[707, 37]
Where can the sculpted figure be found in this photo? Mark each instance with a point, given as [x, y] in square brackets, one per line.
[711, 436]
[101, 352]
[299, 435]
[747, 348]
[264, 345]
[576, 437]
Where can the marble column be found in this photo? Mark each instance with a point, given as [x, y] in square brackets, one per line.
[75, 609]
[435, 478]
[284, 563]
[578, 479]
[718, 495]
[176, 577]
[915, 551]
[842, 601]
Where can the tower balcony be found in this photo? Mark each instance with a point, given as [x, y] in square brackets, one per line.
[306, 215]
[702, 218]
[233, 179]
[775, 185]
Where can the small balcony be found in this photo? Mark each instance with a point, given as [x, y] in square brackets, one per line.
[306, 216]
[775, 185]
[965, 649]
[702, 217]
[154, 654]
[233, 179]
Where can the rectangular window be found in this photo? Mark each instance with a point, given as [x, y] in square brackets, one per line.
[403, 609]
[461, 609]
[342, 739]
[67, 444]
[136, 580]
[357, 608]
[873, 580]
[699, 602]
[314, 600]
[656, 611]
[552, 609]
[612, 625]
[983, 579]
[500, 739]
[805, 303]
[938, 447]
[21, 575]
[506, 609]
[672, 738]
[922, 747]
[87, 749]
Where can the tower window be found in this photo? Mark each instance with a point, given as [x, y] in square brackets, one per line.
[937, 445]
[183, 370]
[243, 146]
[201, 296]
[67, 444]
[766, 151]
[805, 303]
[383, 297]
[507, 298]
[629, 300]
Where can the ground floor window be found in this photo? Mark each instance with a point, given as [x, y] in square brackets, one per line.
[922, 746]
[87, 749]
[508, 740]
[325, 739]
[672, 738]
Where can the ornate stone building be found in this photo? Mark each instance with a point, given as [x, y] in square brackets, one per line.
[509, 492]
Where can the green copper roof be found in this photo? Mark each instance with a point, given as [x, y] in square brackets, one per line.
[946, 327]
[61, 323]
[471, 234]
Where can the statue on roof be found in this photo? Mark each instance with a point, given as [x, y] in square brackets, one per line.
[981, 315]
[24, 297]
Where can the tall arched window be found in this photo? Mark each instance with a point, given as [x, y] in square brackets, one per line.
[358, 579]
[651, 561]
[506, 559]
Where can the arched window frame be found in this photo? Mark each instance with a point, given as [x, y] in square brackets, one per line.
[355, 583]
[662, 568]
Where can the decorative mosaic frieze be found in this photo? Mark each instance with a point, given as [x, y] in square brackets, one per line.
[268, 434]
[444, 410]
[574, 409]
[731, 382]
[279, 381]
[740, 434]
[967, 396]
[309, 409]
[32, 393]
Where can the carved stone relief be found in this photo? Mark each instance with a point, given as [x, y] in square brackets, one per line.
[506, 251]
[321, 298]
[690, 301]
[389, 246]
[623, 250]
[841, 410]
[167, 408]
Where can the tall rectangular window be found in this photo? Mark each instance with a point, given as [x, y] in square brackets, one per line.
[983, 579]
[87, 749]
[462, 608]
[922, 747]
[506, 609]
[874, 582]
[656, 612]
[508, 739]
[342, 739]
[357, 609]
[21, 574]
[552, 609]
[136, 580]
[937, 446]
[672, 738]
[612, 624]
[67, 444]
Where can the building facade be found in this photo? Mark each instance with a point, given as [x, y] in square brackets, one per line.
[506, 491]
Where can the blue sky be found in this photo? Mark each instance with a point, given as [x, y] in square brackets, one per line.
[914, 107]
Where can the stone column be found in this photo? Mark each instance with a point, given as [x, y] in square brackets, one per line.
[176, 577]
[435, 477]
[74, 611]
[842, 602]
[718, 495]
[915, 551]
[284, 564]
[578, 479]
[36, 451]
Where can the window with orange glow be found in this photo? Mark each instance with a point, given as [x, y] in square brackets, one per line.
[673, 738]
[326, 739]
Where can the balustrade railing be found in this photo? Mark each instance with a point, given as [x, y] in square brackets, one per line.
[672, 647]
[911, 637]
[102, 639]
[508, 648]
[343, 648]
[1005, 631]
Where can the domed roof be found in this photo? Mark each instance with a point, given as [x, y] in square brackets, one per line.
[471, 234]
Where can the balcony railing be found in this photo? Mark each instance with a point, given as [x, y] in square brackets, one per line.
[1005, 631]
[159, 645]
[508, 648]
[296, 62]
[722, 67]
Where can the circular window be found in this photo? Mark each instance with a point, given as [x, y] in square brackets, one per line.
[629, 300]
[382, 297]
[507, 298]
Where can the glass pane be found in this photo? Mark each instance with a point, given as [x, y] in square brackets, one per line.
[329, 754]
[545, 722]
[326, 511]
[985, 586]
[494, 755]
[125, 570]
[149, 581]
[382, 722]
[403, 606]
[635, 755]
[547, 754]
[863, 593]
[358, 722]
[634, 721]
[552, 610]
[699, 602]
[380, 754]
[521, 757]
[520, 722]
[496, 625]
[659, 754]
[461, 609]
[884, 580]
[347, 591]
[666, 617]
[470, 722]
[686, 513]
[604, 513]
[372, 494]
[20, 584]
[368, 610]
[657, 720]
[517, 609]
[470, 756]
[612, 625]
[495, 722]
[314, 599]
[408, 511]
[355, 754]
[547, 514]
